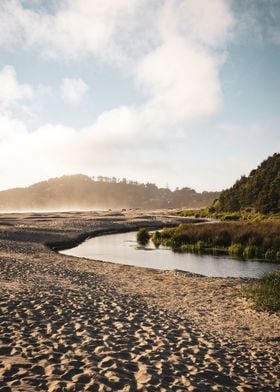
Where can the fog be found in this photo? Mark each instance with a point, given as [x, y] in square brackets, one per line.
[83, 193]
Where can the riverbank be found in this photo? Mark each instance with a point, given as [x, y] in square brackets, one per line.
[73, 323]
[238, 239]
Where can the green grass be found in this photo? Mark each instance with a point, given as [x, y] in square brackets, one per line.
[236, 250]
[265, 294]
[247, 214]
[239, 239]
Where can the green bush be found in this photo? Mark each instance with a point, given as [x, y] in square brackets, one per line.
[200, 245]
[156, 238]
[266, 293]
[251, 251]
[187, 248]
[143, 236]
[236, 250]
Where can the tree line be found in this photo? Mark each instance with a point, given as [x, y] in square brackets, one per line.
[84, 192]
[260, 190]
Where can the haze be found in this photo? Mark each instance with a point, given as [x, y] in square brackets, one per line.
[184, 93]
[80, 192]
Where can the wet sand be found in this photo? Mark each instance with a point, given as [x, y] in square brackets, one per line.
[70, 324]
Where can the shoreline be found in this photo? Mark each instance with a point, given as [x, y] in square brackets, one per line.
[69, 323]
[70, 243]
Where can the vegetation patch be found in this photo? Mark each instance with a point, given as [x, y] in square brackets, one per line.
[265, 294]
[239, 239]
[246, 214]
[143, 236]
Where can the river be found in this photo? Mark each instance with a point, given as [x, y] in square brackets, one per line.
[123, 249]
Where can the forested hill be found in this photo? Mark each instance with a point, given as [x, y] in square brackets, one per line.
[260, 190]
[83, 192]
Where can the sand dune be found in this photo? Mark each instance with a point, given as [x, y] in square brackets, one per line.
[76, 325]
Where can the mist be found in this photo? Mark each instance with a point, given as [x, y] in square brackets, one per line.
[83, 193]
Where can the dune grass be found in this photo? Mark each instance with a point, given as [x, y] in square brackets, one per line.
[265, 294]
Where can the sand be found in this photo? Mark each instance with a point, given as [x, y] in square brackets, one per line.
[70, 324]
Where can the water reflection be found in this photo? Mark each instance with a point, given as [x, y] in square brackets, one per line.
[123, 249]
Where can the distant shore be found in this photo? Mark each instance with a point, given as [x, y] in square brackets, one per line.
[76, 323]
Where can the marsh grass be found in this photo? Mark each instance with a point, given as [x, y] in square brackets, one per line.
[239, 239]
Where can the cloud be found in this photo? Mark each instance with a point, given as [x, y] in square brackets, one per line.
[74, 28]
[73, 90]
[54, 150]
[171, 49]
[11, 91]
[175, 65]
[181, 80]
[10, 130]
[119, 30]
[209, 25]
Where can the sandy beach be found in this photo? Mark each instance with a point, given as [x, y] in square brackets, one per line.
[72, 324]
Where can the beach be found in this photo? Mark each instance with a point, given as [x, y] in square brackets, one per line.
[73, 324]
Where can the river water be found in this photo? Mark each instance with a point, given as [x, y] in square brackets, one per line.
[123, 249]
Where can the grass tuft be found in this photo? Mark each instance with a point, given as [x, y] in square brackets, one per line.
[266, 293]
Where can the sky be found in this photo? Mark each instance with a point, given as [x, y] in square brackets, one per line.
[173, 92]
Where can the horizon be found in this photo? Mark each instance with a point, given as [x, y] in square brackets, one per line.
[175, 93]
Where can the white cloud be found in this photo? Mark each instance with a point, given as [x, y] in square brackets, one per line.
[75, 28]
[172, 50]
[181, 80]
[10, 90]
[209, 24]
[10, 130]
[112, 30]
[73, 90]
[54, 150]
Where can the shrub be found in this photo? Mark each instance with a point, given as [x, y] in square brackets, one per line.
[143, 236]
[236, 250]
[200, 245]
[251, 251]
[166, 233]
[266, 293]
[156, 238]
[187, 248]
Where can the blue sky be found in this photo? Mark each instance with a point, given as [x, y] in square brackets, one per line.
[177, 92]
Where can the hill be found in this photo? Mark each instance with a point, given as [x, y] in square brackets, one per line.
[83, 192]
[260, 190]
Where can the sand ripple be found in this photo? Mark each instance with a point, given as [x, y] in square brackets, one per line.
[65, 327]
